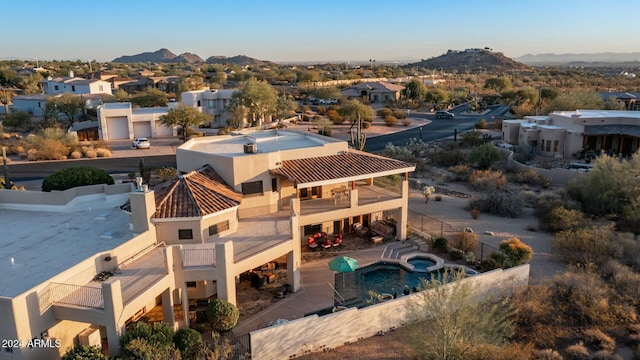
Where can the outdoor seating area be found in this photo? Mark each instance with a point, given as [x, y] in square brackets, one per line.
[324, 241]
[340, 195]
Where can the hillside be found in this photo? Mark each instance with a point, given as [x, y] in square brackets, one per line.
[238, 60]
[470, 60]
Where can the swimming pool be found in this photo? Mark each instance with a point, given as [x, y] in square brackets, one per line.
[391, 278]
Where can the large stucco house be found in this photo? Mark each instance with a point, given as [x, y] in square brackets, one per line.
[211, 102]
[375, 92]
[81, 264]
[567, 134]
[75, 85]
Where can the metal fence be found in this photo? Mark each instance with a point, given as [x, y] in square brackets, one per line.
[440, 229]
[70, 294]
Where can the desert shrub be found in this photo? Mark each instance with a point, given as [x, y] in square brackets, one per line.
[624, 279]
[456, 254]
[399, 114]
[471, 138]
[529, 197]
[577, 352]
[91, 154]
[460, 172]
[166, 173]
[225, 130]
[75, 155]
[48, 149]
[321, 110]
[499, 202]
[438, 198]
[597, 339]
[100, 152]
[222, 315]
[334, 117]
[466, 241]
[447, 156]
[536, 315]
[66, 138]
[384, 112]
[489, 264]
[366, 124]
[486, 180]
[18, 119]
[406, 122]
[75, 176]
[515, 252]
[390, 120]
[582, 297]
[482, 124]
[530, 177]
[497, 123]
[475, 213]
[595, 244]
[441, 244]
[549, 201]
[189, 342]
[484, 155]
[561, 219]
[84, 352]
[415, 151]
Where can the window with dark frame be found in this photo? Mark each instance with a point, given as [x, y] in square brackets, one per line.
[185, 234]
[252, 188]
[192, 284]
[274, 184]
[218, 228]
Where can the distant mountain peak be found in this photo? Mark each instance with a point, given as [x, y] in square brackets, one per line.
[165, 56]
[560, 59]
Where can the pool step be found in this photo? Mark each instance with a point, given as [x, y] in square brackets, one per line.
[396, 250]
[420, 243]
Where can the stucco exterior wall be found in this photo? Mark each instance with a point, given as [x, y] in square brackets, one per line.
[292, 339]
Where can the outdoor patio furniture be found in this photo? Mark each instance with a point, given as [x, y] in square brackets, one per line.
[311, 242]
[327, 244]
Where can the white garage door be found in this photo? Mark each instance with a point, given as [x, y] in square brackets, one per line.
[117, 128]
[141, 129]
[162, 130]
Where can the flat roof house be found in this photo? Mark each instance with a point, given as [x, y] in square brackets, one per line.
[567, 134]
[79, 265]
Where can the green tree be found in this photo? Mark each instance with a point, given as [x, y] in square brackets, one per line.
[484, 155]
[325, 92]
[497, 83]
[84, 352]
[30, 84]
[185, 117]
[575, 100]
[121, 95]
[189, 342]
[149, 342]
[67, 103]
[451, 322]
[150, 98]
[190, 83]
[438, 97]
[258, 98]
[222, 315]
[415, 90]
[285, 107]
[614, 104]
[353, 110]
[71, 177]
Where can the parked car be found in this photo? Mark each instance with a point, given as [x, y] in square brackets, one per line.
[141, 143]
[444, 115]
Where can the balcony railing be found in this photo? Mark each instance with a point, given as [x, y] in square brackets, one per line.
[198, 257]
[69, 294]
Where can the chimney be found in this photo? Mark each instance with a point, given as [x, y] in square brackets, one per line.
[143, 206]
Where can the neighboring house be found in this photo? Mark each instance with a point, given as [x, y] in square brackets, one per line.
[375, 92]
[119, 121]
[211, 102]
[568, 134]
[75, 85]
[167, 84]
[629, 99]
[243, 201]
[35, 104]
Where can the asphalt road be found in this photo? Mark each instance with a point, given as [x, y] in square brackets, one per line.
[34, 171]
[437, 129]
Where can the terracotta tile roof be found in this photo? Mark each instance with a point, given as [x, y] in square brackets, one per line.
[351, 164]
[198, 193]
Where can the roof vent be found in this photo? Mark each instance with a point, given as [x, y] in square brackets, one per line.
[250, 148]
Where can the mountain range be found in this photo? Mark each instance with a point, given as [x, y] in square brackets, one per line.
[558, 59]
[166, 56]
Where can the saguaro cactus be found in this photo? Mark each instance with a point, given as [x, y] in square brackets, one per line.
[358, 138]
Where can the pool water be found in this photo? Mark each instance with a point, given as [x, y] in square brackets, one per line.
[390, 278]
[421, 264]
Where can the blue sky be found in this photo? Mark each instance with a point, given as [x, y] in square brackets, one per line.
[325, 30]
